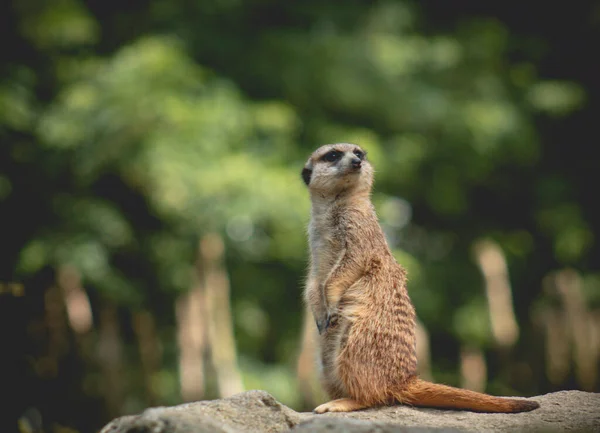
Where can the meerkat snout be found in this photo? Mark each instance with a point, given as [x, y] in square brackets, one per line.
[347, 164]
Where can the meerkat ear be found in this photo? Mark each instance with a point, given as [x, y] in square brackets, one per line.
[306, 174]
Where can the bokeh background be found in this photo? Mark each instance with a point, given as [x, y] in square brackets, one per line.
[152, 215]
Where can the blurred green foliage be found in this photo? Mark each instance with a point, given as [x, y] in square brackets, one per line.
[128, 131]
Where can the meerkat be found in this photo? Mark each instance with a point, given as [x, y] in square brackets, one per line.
[357, 294]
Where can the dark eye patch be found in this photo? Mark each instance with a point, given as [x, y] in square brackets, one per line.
[359, 154]
[332, 155]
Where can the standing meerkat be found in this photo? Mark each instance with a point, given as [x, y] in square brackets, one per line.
[357, 293]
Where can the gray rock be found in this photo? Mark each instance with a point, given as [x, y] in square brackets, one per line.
[252, 411]
[257, 411]
[348, 425]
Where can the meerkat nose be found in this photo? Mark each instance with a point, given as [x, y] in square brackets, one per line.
[356, 163]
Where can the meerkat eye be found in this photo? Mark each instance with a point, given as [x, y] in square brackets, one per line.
[332, 156]
[359, 154]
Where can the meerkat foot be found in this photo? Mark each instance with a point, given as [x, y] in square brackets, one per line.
[340, 405]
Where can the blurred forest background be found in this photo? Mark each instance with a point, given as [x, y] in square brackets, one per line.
[153, 216]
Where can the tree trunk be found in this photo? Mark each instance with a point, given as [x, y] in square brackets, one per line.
[220, 324]
[568, 284]
[423, 352]
[110, 354]
[473, 370]
[150, 352]
[493, 266]
[191, 337]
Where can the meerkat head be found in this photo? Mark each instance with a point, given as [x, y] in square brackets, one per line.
[336, 168]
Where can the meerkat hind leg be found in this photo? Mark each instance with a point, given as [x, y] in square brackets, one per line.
[340, 405]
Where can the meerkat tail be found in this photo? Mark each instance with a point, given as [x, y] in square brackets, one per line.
[427, 394]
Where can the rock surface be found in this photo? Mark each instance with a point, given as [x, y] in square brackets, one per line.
[257, 411]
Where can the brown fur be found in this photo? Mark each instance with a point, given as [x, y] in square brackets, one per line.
[357, 293]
